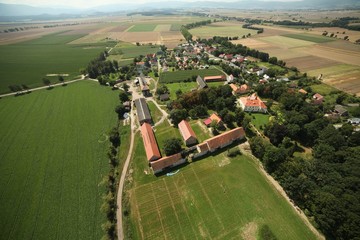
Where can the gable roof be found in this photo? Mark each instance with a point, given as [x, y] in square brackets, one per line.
[213, 117]
[142, 109]
[303, 91]
[165, 162]
[150, 145]
[317, 96]
[233, 87]
[186, 130]
[209, 78]
[201, 82]
[225, 138]
[253, 101]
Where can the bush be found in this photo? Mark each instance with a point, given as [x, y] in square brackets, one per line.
[233, 152]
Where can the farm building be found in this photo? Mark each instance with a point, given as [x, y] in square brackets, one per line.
[213, 117]
[167, 162]
[220, 141]
[252, 104]
[302, 91]
[144, 85]
[202, 84]
[215, 78]
[341, 110]
[187, 133]
[142, 111]
[239, 90]
[318, 99]
[150, 145]
[355, 121]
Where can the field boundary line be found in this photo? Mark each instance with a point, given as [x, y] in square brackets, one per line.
[137, 210]
[173, 207]
[208, 199]
[183, 206]
[157, 210]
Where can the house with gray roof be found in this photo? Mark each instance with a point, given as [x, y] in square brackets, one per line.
[202, 84]
[142, 110]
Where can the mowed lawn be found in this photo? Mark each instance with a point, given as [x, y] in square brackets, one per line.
[214, 198]
[184, 75]
[53, 146]
[28, 62]
[183, 86]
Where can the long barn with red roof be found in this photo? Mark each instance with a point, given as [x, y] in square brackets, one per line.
[150, 145]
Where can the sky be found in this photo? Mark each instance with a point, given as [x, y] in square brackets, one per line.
[92, 3]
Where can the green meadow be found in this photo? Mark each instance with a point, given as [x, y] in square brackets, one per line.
[53, 146]
[213, 198]
[310, 38]
[28, 62]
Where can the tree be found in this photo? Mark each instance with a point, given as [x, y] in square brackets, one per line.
[114, 137]
[125, 87]
[15, 88]
[172, 146]
[46, 82]
[61, 79]
[177, 115]
[120, 110]
[25, 87]
[123, 96]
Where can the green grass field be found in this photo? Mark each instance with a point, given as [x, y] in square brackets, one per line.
[125, 52]
[28, 62]
[181, 76]
[323, 89]
[310, 38]
[286, 42]
[259, 119]
[163, 132]
[175, 27]
[53, 146]
[142, 28]
[215, 198]
[183, 86]
[200, 131]
[156, 115]
[222, 31]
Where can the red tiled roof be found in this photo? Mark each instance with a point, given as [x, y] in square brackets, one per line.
[213, 117]
[253, 101]
[225, 138]
[207, 121]
[165, 162]
[233, 87]
[317, 96]
[303, 91]
[186, 130]
[150, 145]
[209, 78]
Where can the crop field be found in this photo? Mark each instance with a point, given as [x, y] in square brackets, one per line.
[181, 76]
[28, 62]
[128, 50]
[286, 42]
[53, 146]
[142, 28]
[310, 38]
[222, 31]
[175, 27]
[162, 28]
[215, 198]
[308, 63]
[183, 86]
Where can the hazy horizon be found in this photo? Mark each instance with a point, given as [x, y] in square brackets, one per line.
[94, 3]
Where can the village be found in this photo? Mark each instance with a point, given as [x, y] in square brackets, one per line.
[250, 78]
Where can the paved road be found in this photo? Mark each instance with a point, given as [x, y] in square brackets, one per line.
[44, 87]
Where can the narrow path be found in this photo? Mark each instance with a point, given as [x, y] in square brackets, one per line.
[44, 87]
[164, 113]
[120, 230]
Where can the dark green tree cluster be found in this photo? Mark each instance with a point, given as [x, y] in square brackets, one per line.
[193, 103]
[99, 66]
[326, 186]
[172, 146]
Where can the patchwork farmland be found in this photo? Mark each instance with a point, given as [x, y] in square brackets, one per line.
[215, 198]
[28, 62]
[53, 147]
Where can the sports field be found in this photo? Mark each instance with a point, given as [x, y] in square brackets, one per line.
[28, 62]
[53, 146]
[181, 76]
[215, 198]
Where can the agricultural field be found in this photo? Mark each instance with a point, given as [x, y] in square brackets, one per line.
[215, 198]
[125, 52]
[142, 28]
[310, 38]
[221, 30]
[184, 75]
[53, 146]
[28, 62]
